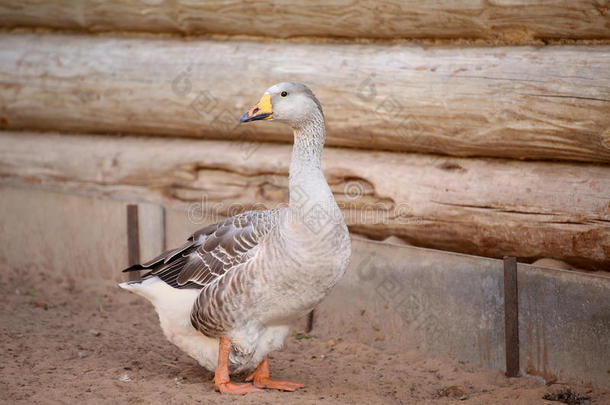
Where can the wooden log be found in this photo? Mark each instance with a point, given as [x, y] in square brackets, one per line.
[513, 20]
[487, 207]
[524, 103]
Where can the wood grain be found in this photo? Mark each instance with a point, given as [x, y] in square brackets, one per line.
[513, 20]
[516, 102]
[488, 207]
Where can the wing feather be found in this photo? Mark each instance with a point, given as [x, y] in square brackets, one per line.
[211, 251]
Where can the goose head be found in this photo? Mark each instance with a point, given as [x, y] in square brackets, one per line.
[291, 103]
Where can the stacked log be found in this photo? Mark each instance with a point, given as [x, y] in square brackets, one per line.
[513, 20]
[520, 102]
[487, 207]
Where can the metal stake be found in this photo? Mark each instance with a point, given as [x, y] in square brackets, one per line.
[511, 316]
[133, 240]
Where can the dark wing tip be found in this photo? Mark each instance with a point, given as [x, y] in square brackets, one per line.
[134, 267]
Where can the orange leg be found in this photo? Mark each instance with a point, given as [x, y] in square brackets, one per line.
[221, 377]
[261, 379]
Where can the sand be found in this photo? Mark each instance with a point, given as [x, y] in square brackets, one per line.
[74, 341]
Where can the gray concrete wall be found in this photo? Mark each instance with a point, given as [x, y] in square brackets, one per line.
[394, 297]
[401, 297]
[564, 324]
[74, 236]
[71, 235]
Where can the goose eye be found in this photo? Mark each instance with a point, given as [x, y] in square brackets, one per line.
[283, 94]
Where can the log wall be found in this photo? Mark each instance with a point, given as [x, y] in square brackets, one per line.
[486, 207]
[427, 139]
[513, 102]
[511, 20]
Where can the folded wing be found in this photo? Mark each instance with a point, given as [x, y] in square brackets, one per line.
[211, 251]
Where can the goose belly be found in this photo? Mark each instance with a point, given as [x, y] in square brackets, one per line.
[251, 342]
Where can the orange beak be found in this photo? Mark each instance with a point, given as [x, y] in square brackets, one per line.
[261, 111]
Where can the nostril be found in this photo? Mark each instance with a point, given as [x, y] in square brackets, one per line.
[255, 110]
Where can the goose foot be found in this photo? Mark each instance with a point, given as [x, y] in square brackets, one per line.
[222, 382]
[236, 389]
[260, 378]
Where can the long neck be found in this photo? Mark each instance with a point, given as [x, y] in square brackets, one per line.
[313, 211]
[306, 176]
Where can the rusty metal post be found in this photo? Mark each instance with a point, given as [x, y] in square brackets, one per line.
[511, 316]
[133, 240]
[310, 318]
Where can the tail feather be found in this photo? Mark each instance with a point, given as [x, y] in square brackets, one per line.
[167, 266]
[134, 267]
[162, 259]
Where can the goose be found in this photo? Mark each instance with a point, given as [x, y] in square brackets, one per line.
[229, 295]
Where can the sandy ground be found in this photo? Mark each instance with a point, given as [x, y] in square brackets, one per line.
[75, 342]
